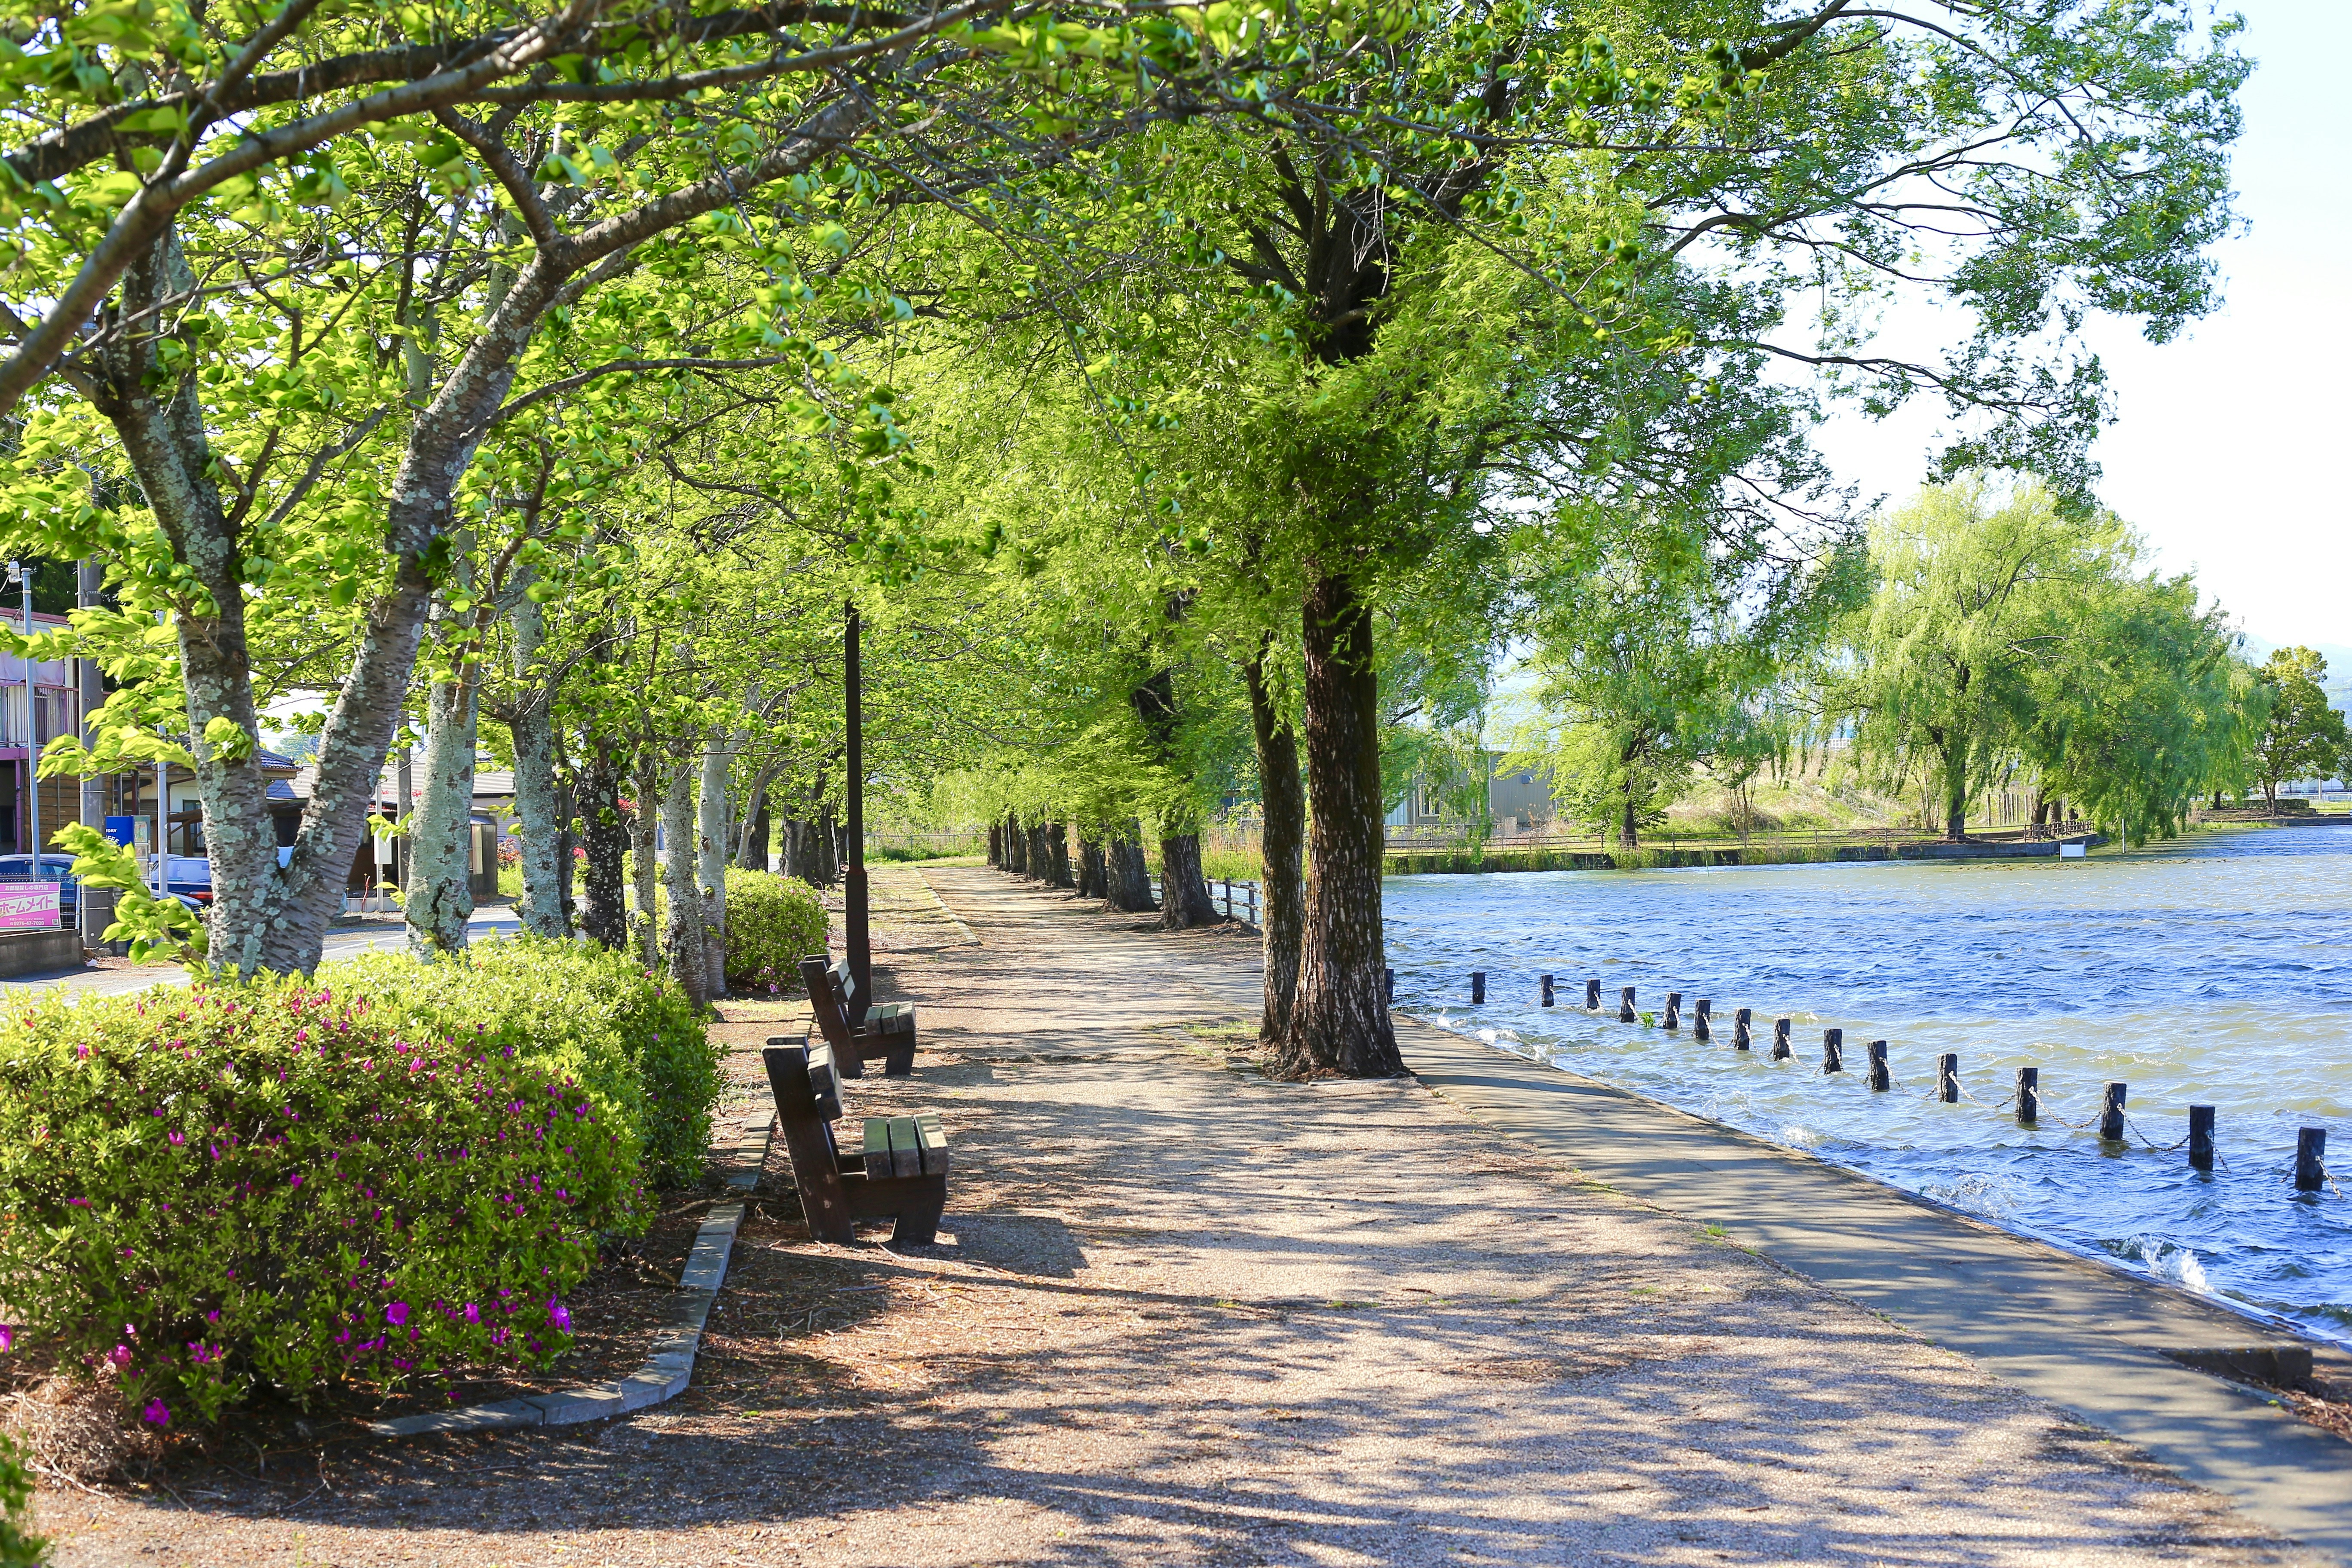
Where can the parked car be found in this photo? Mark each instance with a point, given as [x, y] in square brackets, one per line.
[190, 880]
[56, 868]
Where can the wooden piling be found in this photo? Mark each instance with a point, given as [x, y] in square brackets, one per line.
[2310, 1159]
[2111, 1114]
[1593, 995]
[1881, 1080]
[1478, 986]
[1674, 1018]
[1546, 990]
[1740, 1036]
[1781, 1051]
[1833, 1050]
[1948, 1078]
[2201, 1137]
[2029, 1096]
[1702, 1020]
[1625, 1003]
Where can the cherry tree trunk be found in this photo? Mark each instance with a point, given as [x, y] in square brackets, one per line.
[996, 845]
[1129, 875]
[711, 837]
[1339, 1020]
[1283, 838]
[604, 914]
[546, 872]
[439, 897]
[643, 861]
[682, 939]
[1058, 840]
[1183, 892]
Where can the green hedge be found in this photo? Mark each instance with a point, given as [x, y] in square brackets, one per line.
[19, 1547]
[773, 922]
[291, 1183]
[627, 1034]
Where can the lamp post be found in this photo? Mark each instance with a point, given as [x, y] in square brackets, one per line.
[853, 865]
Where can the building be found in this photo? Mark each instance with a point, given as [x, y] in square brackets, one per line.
[1517, 802]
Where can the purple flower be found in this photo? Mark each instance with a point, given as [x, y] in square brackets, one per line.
[560, 1315]
[7, 1336]
[157, 1412]
[396, 1314]
[472, 1315]
[296, 1181]
[120, 1356]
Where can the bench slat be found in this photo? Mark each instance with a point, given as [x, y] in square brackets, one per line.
[878, 1146]
[934, 1140]
[906, 1153]
[824, 1082]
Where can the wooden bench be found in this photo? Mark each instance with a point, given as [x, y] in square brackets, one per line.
[899, 1171]
[857, 1037]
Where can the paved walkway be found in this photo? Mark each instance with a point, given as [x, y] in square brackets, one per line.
[1184, 1314]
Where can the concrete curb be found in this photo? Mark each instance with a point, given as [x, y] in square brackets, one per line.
[666, 1372]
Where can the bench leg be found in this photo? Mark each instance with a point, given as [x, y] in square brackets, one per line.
[898, 1057]
[849, 1061]
[918, 1224]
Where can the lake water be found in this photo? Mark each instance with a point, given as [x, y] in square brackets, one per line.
[2214, 972]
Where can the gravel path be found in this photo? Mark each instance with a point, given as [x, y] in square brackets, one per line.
[1187, 1315]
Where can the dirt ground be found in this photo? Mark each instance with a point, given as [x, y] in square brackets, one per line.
[1182, 1314]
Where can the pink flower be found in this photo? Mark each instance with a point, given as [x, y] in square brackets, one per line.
[396, 1314]
[7, 1336]
[120, 1356]
[157, 1412]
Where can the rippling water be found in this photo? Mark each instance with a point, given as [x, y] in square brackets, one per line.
[2214, 971]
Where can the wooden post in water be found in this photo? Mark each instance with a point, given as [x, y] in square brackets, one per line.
[1702, 1019]
[1881, 1080]
[2029, 1096]
[2310, 1159]
[1833, 1050]
[2111, 1114]
[1741, 1038]
[1546, 990]
[1625, 1003]
[1674, 1018]
[1593, 995]
[1948, 1078]
[2201, 1137]
[1781, 1051]
[1478, 986]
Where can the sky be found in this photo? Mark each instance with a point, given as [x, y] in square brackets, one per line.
[2229, 450]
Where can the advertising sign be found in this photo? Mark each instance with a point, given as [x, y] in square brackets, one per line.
[29, 906]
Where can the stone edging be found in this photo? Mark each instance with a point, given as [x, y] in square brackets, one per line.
[671, 1366]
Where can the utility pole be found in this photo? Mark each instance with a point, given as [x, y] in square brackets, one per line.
[95, 906]
[853, 868]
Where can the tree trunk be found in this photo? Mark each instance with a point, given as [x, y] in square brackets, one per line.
[711, 837]
[1130, 874]
[1282, 914]
[690, 964]
[754, 852]
[1183, 892]
[604, 915]
[643, 861]
[996, 846]
[828, 848]
[1040, 851]
[1628, 827]
[1057, 839]
[1016, 848]
[1340, 1021]
[1094, 879]
[1956, 799]
[533, 724]
[440, 894]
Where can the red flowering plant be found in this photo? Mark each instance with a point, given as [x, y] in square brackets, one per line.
[280, 1184]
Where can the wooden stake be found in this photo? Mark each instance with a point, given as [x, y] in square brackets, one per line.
[1702, 1019]
[2201, 1137]
[1781, 1051]
[1881, 1080]
[1741, 1038]
[2310, 1159]
[1948, 1078]
[1593, 995]
[1478, 986]
[1546, 990]
[2111, 1114]
[1674, 1018]
[2029, 1096]
[1833, 1050]
[1625, 1003]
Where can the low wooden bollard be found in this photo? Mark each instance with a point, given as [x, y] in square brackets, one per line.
[1781, 1051]
[2111, 1114]
[2310, 1159]
[1593, 995]
[1833, 1050]
[1674, 1018]
[1625, 1003]
[1478, 986]
[2029, 1096]
[1948, 1078]
[1546, 990]
[1741, 1039]
[1702, 1020]
[2201, 1137]
[1881, 1080]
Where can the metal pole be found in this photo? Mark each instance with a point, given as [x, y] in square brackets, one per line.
[32, 744]
[89, 695]
[853, 870]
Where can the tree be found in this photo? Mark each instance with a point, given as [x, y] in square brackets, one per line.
[2302, 737]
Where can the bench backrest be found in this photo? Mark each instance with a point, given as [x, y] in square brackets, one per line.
[807, 1093]
[833, 1020]
[845, 987]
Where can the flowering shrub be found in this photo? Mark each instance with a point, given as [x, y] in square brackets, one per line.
[773, 922]
[631, 1037]
[19, 1547]
[290, 1182]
